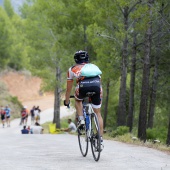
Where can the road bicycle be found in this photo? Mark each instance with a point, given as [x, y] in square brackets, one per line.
[90, 132]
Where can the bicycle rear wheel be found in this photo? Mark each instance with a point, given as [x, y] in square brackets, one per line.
[83, 141]
[95, 137]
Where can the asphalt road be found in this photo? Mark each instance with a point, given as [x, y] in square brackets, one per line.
[61, 152]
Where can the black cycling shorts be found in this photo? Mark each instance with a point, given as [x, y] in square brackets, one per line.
[2, 117]
[86, 85]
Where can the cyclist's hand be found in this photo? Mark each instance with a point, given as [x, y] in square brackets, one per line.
[67, 104]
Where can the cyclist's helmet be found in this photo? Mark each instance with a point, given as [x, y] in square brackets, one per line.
[81, 57]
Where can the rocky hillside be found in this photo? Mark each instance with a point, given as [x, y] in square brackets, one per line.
[22, 85]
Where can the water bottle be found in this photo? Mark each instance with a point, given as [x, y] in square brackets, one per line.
[87, 121]
[86, 116]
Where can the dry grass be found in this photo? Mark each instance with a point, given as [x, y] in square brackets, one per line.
[128, 138]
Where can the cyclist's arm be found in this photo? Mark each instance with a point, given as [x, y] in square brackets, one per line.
[68, 90]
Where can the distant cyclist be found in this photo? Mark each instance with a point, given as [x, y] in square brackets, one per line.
[88, 80]
[8, 115]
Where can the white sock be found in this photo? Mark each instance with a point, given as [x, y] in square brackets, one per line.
[81, 117]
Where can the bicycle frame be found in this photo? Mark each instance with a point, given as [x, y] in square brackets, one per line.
[89, 110]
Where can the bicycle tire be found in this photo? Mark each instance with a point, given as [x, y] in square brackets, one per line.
[83, 141]
[95, 137]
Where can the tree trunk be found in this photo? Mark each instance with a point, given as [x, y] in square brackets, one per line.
[121, 119]
[168, 136]
[132, 85]
[153, 93]
[151, 112]
[145, 80]
[56, 118]
[106, 103]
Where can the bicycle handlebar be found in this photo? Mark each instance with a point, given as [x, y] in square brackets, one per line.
[72, 96]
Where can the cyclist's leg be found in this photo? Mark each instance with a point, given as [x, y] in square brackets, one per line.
[33, 120]
[3, 121]
[8, 121]
[26, 119]
[79, 107]
[78, 103]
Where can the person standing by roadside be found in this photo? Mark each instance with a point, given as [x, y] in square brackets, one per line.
[24, 115]
[2, 113]
[8, 115]
[32, 115]
[37, 114]
[38, 108]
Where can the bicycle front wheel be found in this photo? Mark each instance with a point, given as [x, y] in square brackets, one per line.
[83, 141]
[95, 137]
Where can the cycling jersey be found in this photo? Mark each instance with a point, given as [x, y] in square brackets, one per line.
[74, 72]
[80, 71]
[86, 84]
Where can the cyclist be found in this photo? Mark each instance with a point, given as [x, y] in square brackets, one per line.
[88, 80]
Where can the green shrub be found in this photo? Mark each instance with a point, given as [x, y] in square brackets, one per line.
[151, 134]
[121, 130]
[157, 133]
[14, 100]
